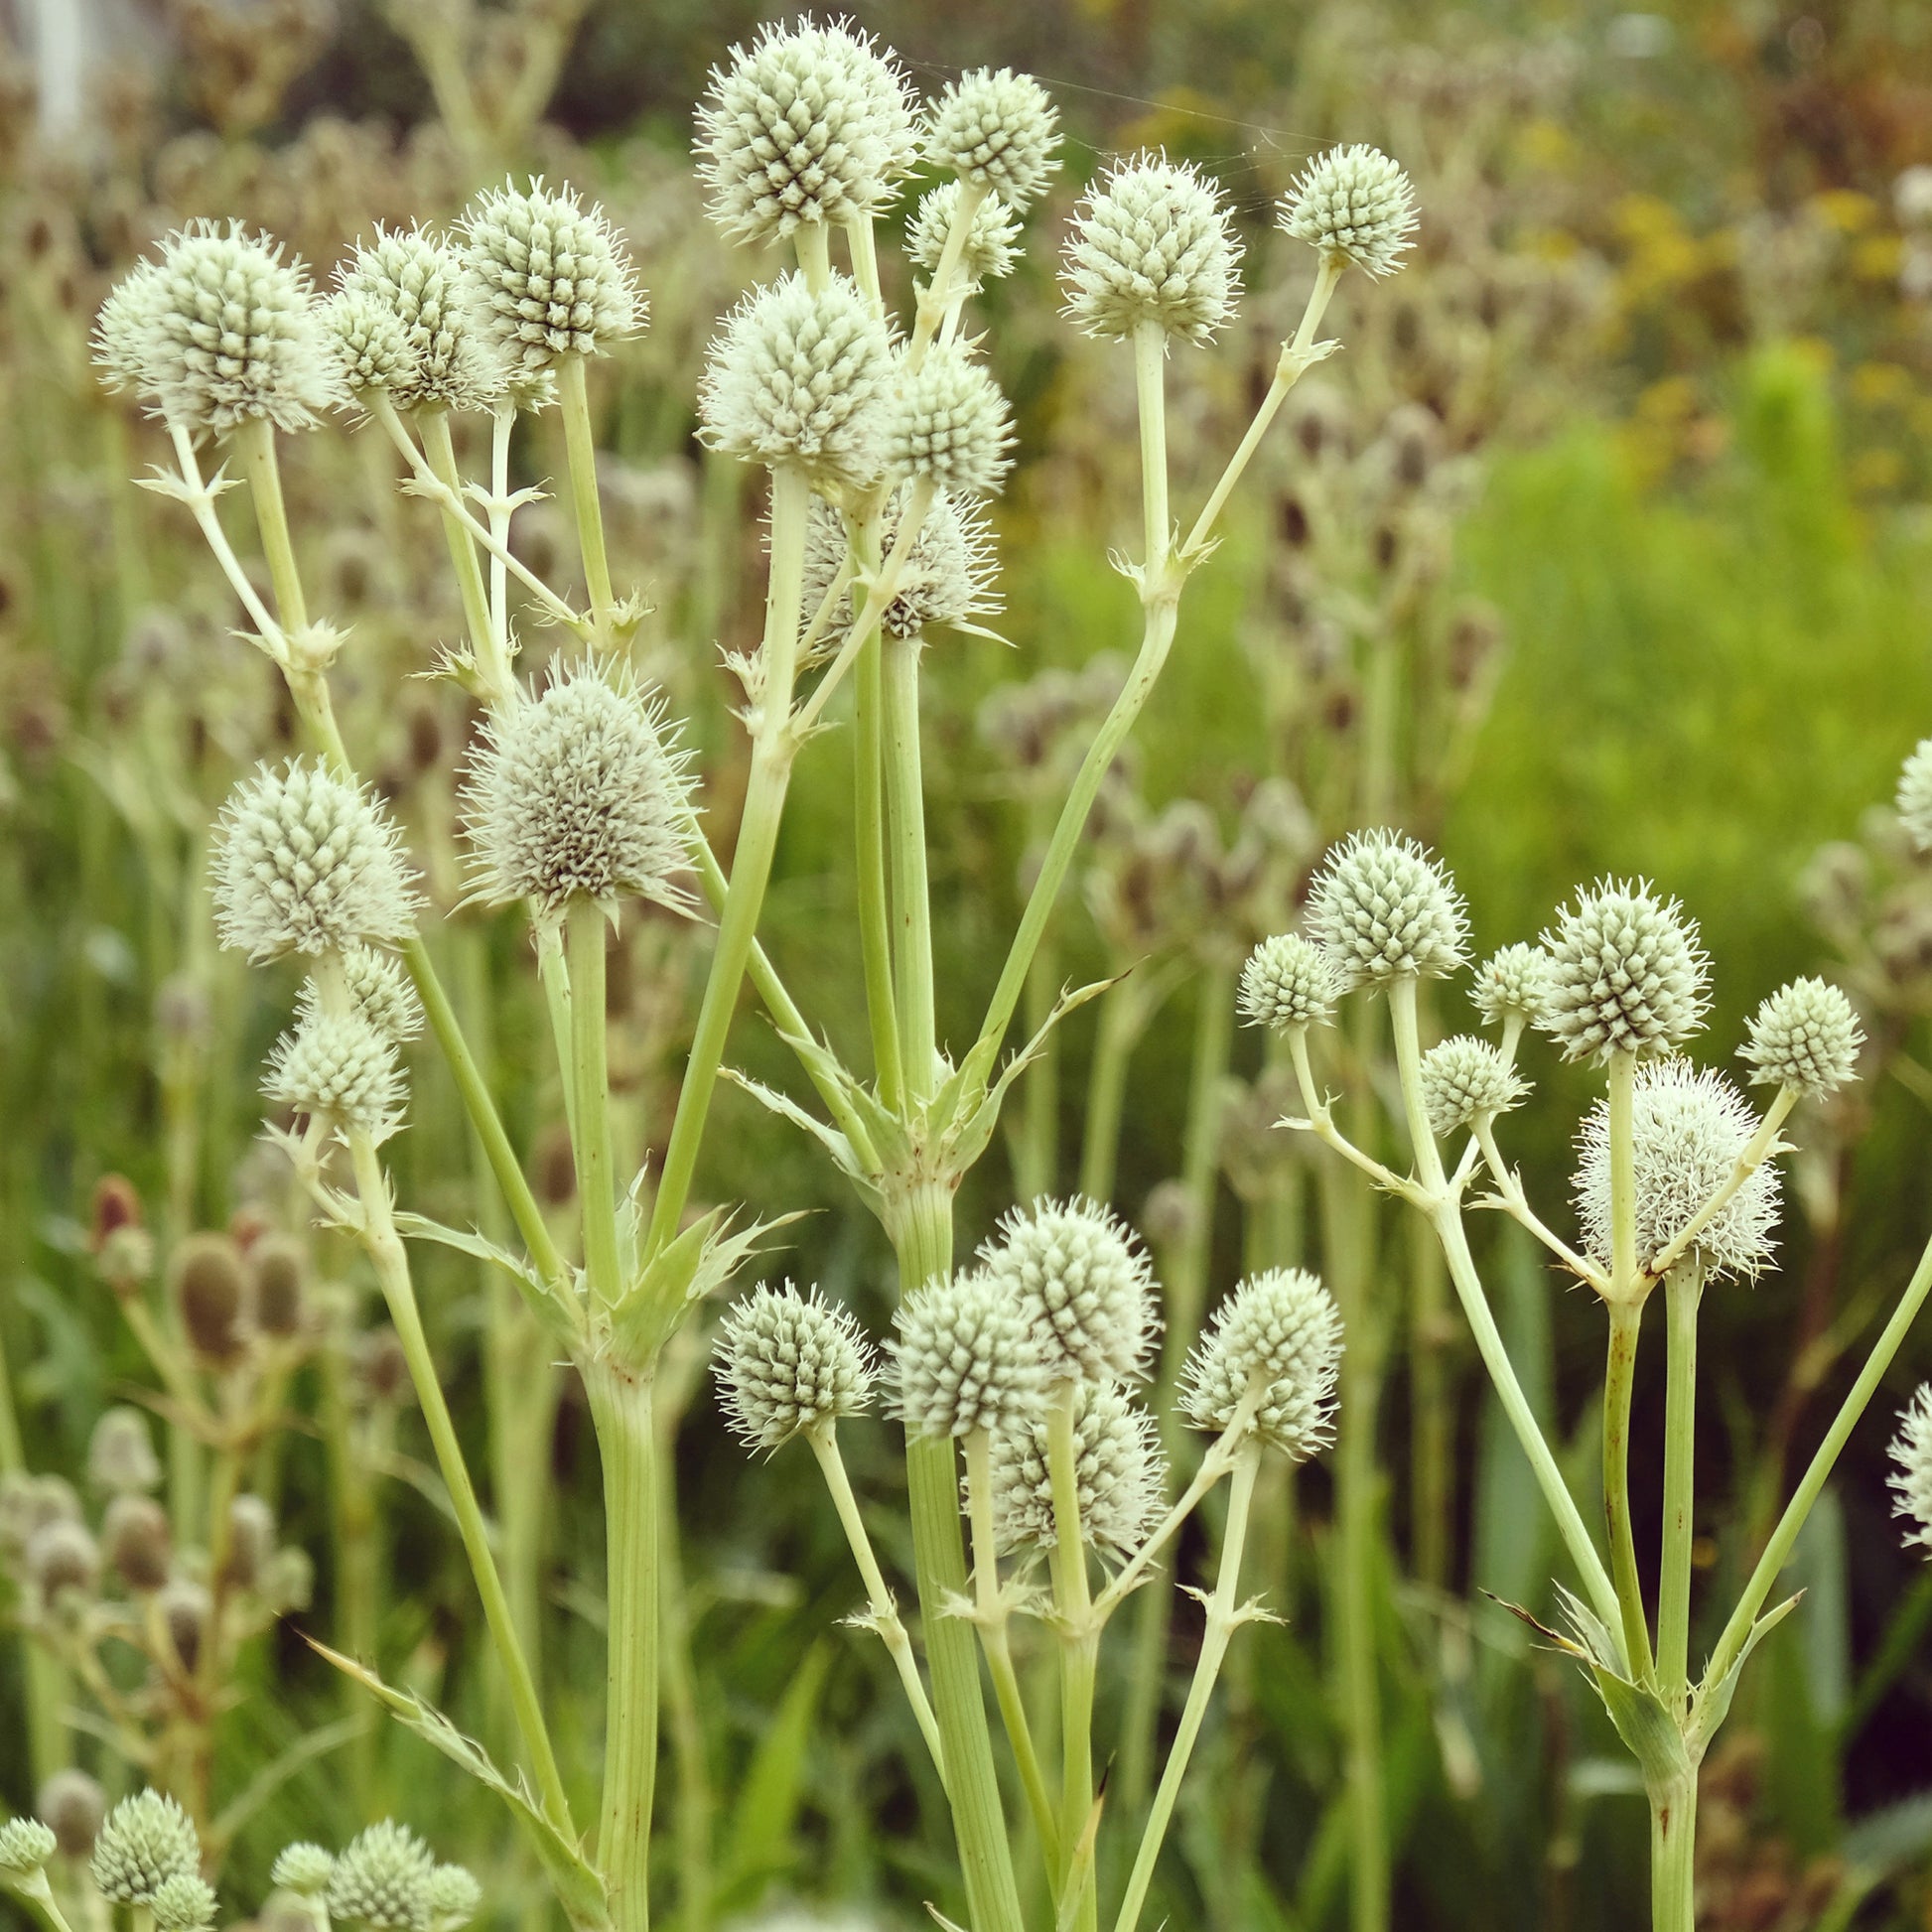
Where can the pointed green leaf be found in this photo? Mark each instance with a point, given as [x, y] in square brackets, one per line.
[560, 1320]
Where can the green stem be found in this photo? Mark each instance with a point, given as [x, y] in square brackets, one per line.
[1683, 1286]
[875, 913]
[584, 935]
[695, 1803]
[580, 449]
[255, 440]
[1079, 1646]
[1673, 1857]
[1619, 1382]
[434, 426]
[1150, 374]
[912, 905]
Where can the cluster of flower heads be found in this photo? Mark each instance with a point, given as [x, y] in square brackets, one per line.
[385, 1878]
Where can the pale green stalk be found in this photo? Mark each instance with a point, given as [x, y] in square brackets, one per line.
[1673, 1857]
[1079, 1647]
[501, 426]
[1683, 1286]
[434, 425]
[354, 1531]
[875, 909]
[936, 298]
[583, 941]
[1150, 371]
[695, 1803]
[1433, 1455]
[1036, 1141]
[911, 907]
[1620, 1367]
[579, 450]
[40, 1894]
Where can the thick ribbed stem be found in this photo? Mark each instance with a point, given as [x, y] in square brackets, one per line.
[874, 905]
[1673, 1857]
[911, 907]
[434, 427]
[1079, 1658]
[1682, 1287]
[589, 1077]
[580, 449]
[1620, 1365]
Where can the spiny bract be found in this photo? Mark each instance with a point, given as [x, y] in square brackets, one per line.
[1513, 983]
[946, 579]
[991, 244]
[446, 361]
[1911, 1455]
[339, 1070]
[949, 424]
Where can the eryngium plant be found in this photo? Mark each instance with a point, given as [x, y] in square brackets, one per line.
[877, 438]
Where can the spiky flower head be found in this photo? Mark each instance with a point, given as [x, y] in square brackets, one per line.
[1153, 242]
[1356, 207]
[1628, 974]
[949, 425]
[1915, 800]
[340, 1069]
[997, 130]
[1911, 1479]
[1466, 1079]
[143, 1842]
[1382, 909]
[183, 1902]
[965, 1357]
[1514, 984]
[1287, 983]
[1277, 1339]
[303, 1868]
[306, 862]
[1805, 1035]
[381, 1876]
[380, 989]
[1119, 1474]
[121, 1453]
[1085, 1283]
[787, 1362]
[454, 1897]
[1689, 1125]
[367, 339]
[546, 275]
[992, 245]
[25, 1846]
[801, 376]
[446, 357]
[580, 793]
[220, 331]
[947, 579]
[806, 124]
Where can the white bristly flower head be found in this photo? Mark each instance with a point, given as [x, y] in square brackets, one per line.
[182, 1903]
[950, 425]
[446, 361]
[303, 1868]
[340, 1069]
[992, 242]
[454, 1897]
[1805, 1035]
[801, 378]
[25, 1846]
[997, 130]
[546, 275]
[1689, 1125]
[947, 579]
[1119, 1474]
[305, 862]
[369, 343]
[1514, 984]
[382, 1878]
[787, 1362]
[1276, 1339]
[1382, 909]
[1086, 1285]
[965, 1357]
[219, 332]
[1465, 1080]
[380, 991]
[1628, 974]
[1911, 1455]
[143, 1842]
[579, 791]
[1356, 207]
[1915, 800]
[1153, 242]
[1287, 983]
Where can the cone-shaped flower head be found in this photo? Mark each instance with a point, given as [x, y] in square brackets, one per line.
[947, 579]
[447, 359]
[1911, 1455]
[807, 123]
[803, 378]
[1277, 1338]
[182, 1903]
[1381, 909]
[1914, 794]
[1356, 207]
[787, 1362]
[579, 791]
[381, 1876]
[1119, 1474]
[25, 1846]
[992, 242]
[380, 991]
[1689, 1125]
[546, 276]
[1287, 983]
[219, 332]
[997, 130]
[1628, 974]
[1514, 984]
[338, 1069]
[143, 1842]
[306, 862]
[303, 1868]
[454, 1897]
[121, 1453]
[1805, 1035]
[965, 1357]
[1153, 242]
[950, 425]
[1466, 1079]
[1085, 1283]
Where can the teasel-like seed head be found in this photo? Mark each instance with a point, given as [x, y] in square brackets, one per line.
[185, 1607]
[787, 1362]
[806, 124]
[183, 1902]
[139, 1543]
[1466, 1079]
[142, 1842]
[445, 357]
[997, 130]
[251, 1540]
[1915, 800]
[1153, 242]
[304, 1870]
[210, 1293]
[379, 990]
[1119, 1474]
[381, 1876]
[1086, 1285]
[1911, 1478]
[965, 1357]
[63, 1557]
[1805, 1035]
[1628, 974]
[278, 1273]
[339, 1070]
[120, 1452]
[949, 425]
[1287, 983]
[992, 242]
[947, 581]
[801, 376]
[1689, 1125]
[25, 1846]
[579, 791]
[72, 1806]
[454, 1898]
[1355, 206]
[1276, 1336]
[306, 862]
[220, 331]
[367, 341]
[1514, 983]
[1382, 909]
